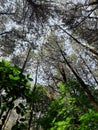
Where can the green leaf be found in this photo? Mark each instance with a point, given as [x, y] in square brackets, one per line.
[27, 84]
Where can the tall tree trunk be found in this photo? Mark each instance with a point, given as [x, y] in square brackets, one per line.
[81, 82]
[32, 104]
[77, 41]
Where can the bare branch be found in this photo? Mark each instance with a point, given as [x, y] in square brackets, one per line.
[5, 13]
[77, 41]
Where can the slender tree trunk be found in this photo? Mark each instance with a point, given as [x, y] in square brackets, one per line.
[81, 82]
[4, 119]
[77, 41]
[32, 105]
[89, 69]
[6, 115]
[25, 61]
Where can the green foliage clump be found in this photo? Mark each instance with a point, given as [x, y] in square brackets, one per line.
[12, 82]
[89, 121]
[14, 86]
[17, 94]
[71, 110]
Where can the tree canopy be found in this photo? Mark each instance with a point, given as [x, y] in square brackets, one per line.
[48, 65]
